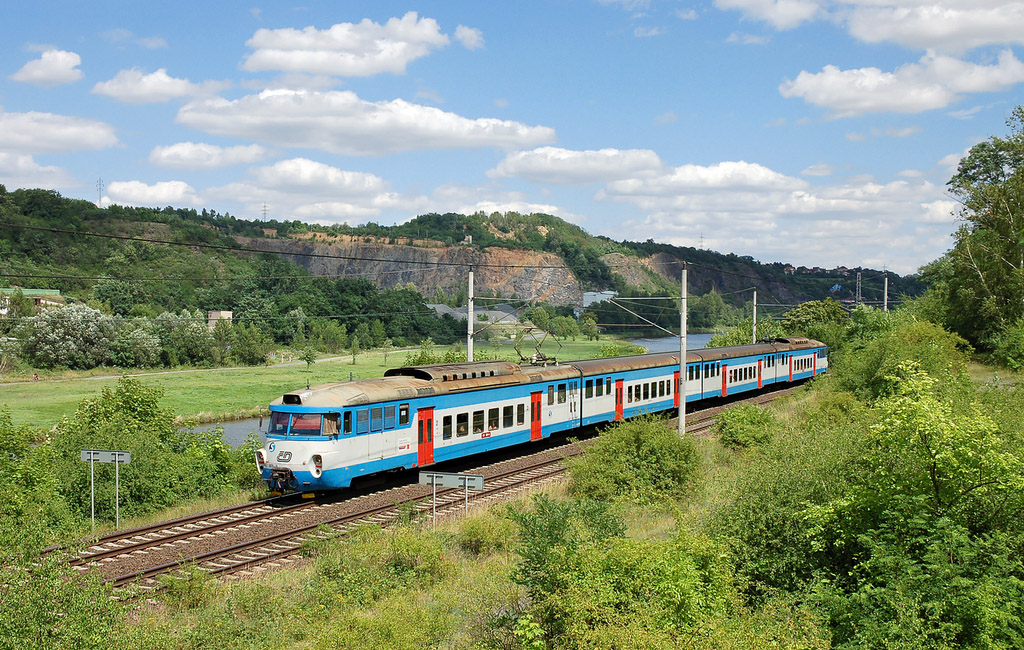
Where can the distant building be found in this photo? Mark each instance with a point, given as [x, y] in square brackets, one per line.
[41, 298]
[789, 270]
[591, 297]
[213, 316]
[503, 313]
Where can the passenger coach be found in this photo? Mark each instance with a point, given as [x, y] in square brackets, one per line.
[324, 437]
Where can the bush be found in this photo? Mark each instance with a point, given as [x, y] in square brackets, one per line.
[639, 460]
[74, 336]
[1008, 346]
[745, 425]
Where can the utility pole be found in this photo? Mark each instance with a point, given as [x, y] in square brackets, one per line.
[682, 354]
[858, 288]
[99, 190]
[885, 295]
[754, 340]
[469, 318]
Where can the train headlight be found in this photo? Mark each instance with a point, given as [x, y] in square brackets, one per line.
[261, 460]
[318, 465]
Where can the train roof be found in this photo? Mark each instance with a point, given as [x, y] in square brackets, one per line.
[443, 378]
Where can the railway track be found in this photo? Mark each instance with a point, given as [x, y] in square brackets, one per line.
[249, 538]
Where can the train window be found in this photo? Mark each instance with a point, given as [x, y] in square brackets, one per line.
[608, 385]
[561, 393]
[507, 417]
[331, 424]
[306, 424]
[403, 414]
[492, 419]
[589, 388]
[551, 395]
[347, 428]
[377, 419]
[362, 421]
[278, 423]
[478, 421]
[663, 388]
[462, 424]
[647, 391]
[600, 388]
[389, 417]
[521, 414]
[446, 428]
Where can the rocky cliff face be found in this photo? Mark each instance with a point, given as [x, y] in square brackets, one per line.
[527, 275]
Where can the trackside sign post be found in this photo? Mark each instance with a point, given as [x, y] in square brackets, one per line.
[445, 480]
[118, 458]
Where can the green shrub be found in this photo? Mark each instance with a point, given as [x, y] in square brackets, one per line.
[745, 425]
[1008, 346]
[639, 460]
[485, 533]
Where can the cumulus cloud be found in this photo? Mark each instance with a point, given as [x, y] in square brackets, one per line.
[134, 87]
[470, 37]
[346, 49]
[340, 122]
[555, 165]
[470, 199]
[20, 170]
[137, 193]
[647, 32]
[745, 206]
[946, 25]
[35, 133]
[783, 14]
[949, 26]
[52, 68]
[304, 175]
[934, 82]
[820, 169]
[686, 14]
[199, 155]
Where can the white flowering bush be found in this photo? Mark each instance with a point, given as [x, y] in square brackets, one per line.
[73, 336]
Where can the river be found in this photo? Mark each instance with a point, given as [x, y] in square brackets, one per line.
[671, 343]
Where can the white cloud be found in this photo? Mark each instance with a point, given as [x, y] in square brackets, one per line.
[555, 165]
[667, 117]
[133, 87]
[819, 169]
[120, 35]
[647, 32]
[53, 67]
[469, 199]
[137, 193]
[35, 133]
[943, 25]
[934, 82]
[949, 26]
[686, 14]
[199, 155]
[303, 175]
[340, 122]
[346, 49]
[20, 170]
[734, 176]
[850, 221]
[783, 14]
[470, 37]
[747, 39]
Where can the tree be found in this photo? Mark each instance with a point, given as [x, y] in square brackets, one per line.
[355, 348]
[309, 356]
[387, 347]
[980, 281]
[377, 333]
[74, 336]
[364, 336]
[564, 327]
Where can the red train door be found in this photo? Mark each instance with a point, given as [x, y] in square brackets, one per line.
[618, 399]
[675, 378]
[791, 367]
[425, 436]
[814, 365]
[535, 411]
[759, 373]
[725, 377]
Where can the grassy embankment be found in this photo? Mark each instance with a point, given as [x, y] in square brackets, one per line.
[216, 394]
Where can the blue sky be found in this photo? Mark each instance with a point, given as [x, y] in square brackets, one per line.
[815, 132]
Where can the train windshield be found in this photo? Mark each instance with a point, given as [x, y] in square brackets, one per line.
[278, 423]
[306, 424]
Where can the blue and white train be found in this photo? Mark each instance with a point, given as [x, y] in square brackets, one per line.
[324, 437]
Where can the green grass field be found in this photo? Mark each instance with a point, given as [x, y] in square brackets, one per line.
[221, 393]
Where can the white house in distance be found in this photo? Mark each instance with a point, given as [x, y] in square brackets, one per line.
[213, 316]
